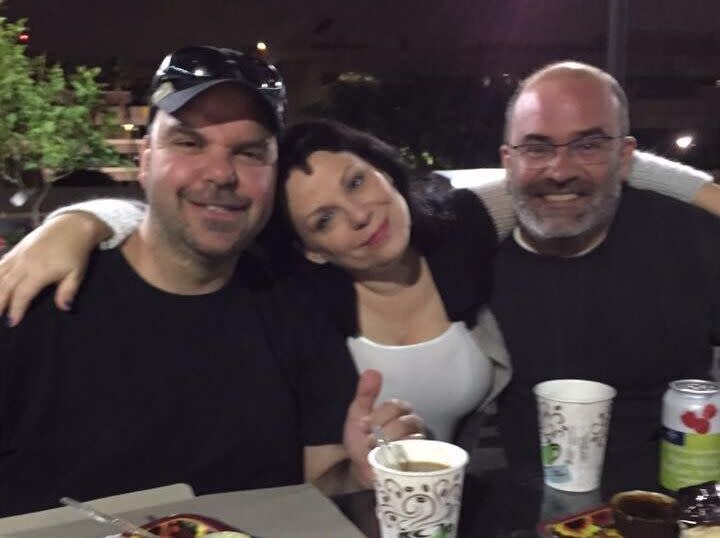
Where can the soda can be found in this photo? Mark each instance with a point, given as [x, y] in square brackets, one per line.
[690, 443]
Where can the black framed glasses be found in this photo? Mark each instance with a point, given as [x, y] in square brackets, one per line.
[593, 149]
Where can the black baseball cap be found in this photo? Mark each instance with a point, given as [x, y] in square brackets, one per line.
[187, 72]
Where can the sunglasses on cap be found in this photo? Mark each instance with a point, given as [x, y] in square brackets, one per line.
[187, 72]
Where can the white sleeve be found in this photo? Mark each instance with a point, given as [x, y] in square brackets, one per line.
[498, 202]
[671, 178]
[121, 215]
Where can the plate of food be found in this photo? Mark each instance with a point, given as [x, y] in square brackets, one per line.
[190, 526]
[594, 523]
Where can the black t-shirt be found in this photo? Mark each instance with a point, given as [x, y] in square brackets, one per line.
[138, 388]
[640, 310]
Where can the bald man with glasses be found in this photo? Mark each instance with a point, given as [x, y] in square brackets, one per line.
[599, 280]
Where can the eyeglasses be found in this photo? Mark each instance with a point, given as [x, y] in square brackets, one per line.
[191, 66]
[595, 149]
[194, 65]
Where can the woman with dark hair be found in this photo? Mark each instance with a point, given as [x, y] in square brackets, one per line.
[403, 267]
[425, 196]
[381, 252]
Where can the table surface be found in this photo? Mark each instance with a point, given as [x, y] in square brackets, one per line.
[288, 512]
[508, 503]
[498, 502]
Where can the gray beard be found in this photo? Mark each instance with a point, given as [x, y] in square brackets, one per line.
[600, 215]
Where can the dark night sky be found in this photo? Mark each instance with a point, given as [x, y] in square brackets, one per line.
[141, 31]
[672, 52]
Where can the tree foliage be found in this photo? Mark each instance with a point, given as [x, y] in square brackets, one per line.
[50, 121]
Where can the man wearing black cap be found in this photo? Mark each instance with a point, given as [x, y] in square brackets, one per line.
[177, 363]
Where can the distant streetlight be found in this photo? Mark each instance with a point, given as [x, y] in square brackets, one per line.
[24, 37]
[684, 142]
[261, 46]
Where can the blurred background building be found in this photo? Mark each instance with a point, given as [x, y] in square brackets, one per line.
[431, 76]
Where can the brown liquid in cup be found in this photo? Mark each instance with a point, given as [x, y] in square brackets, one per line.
[424, 466]
[644, 514]
[647, 507]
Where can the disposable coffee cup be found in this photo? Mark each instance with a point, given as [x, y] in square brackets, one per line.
[574, 416]
[419, 503]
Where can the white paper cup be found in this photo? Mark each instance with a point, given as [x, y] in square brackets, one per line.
[574, 416]
[419, 504]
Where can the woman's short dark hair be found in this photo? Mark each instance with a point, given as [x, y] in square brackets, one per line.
[303, 139]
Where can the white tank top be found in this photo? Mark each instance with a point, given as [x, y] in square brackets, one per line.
[444, 378]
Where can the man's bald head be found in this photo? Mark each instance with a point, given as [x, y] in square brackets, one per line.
[572, 71]
[566, 153]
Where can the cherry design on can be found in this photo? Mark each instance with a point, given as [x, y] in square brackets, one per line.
[701, 424]
[690, 443]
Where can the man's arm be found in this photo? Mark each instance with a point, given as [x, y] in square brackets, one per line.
[58, 251]
[120, 217]
[343, 468]
[671, 178]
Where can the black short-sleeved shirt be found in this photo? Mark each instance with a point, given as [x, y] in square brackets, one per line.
[640, 310]
[138, 388]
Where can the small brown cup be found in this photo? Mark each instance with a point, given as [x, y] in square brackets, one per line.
[645, 514]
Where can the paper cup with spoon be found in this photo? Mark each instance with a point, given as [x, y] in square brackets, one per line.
[420, 495]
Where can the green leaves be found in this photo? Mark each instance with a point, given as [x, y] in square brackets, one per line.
[49, 120]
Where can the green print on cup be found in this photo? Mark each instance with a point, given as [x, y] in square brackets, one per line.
[439, 531]
[550, 453]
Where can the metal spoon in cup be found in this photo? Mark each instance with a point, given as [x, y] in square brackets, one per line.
[393, 453]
